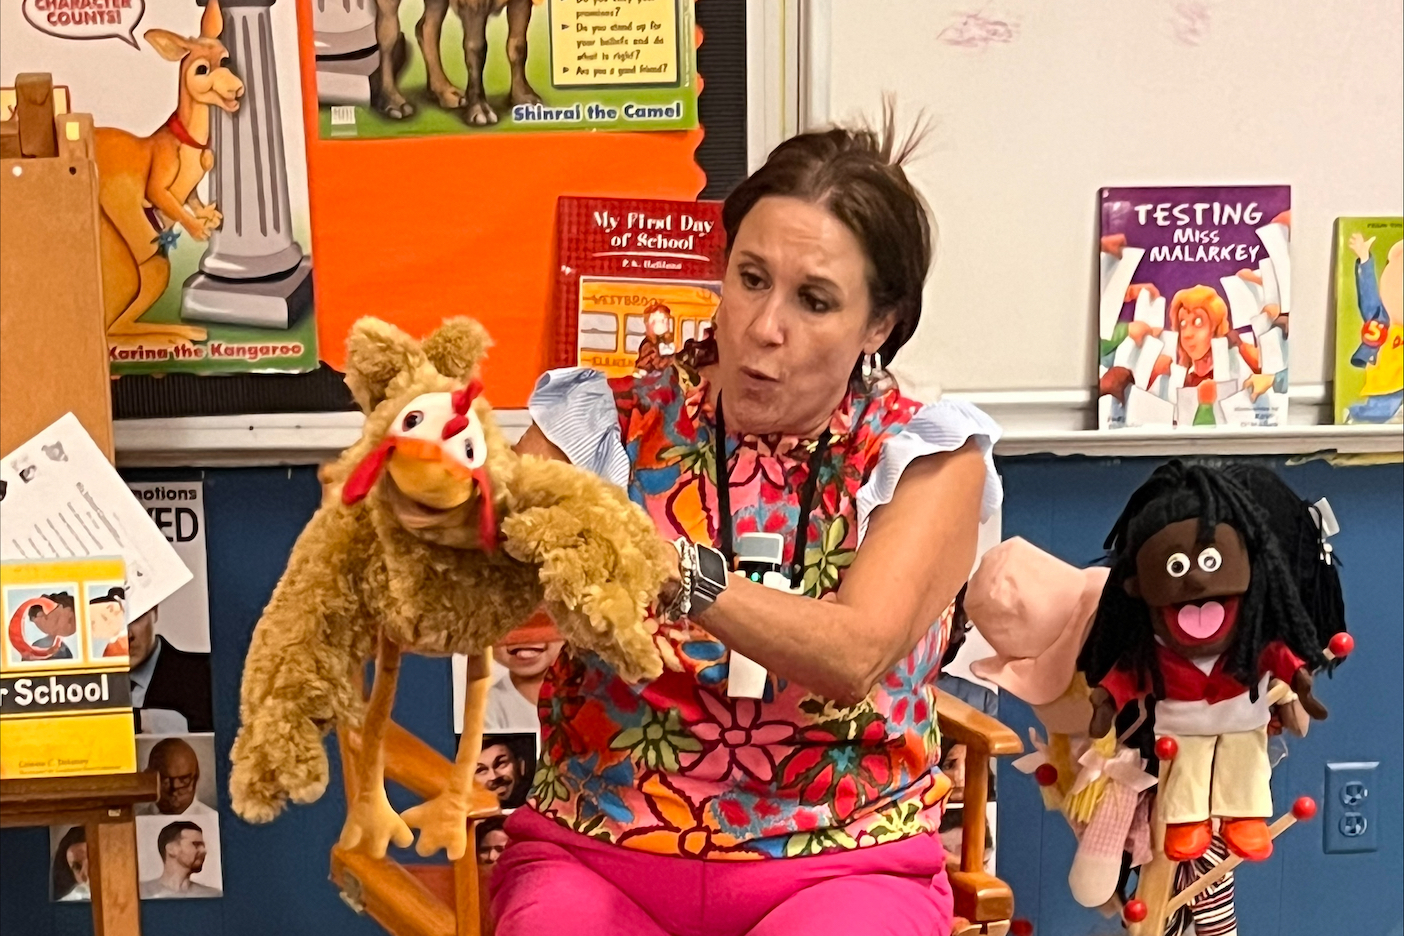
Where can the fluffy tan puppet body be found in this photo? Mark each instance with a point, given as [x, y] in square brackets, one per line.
[396, 559]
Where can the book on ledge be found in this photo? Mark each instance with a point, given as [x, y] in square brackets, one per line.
[1195, 298]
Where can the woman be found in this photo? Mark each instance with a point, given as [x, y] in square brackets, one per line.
[644, 793]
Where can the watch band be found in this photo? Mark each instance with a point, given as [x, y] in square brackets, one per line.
[709, 575]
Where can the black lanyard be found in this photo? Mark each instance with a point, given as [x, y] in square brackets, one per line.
[807, 492]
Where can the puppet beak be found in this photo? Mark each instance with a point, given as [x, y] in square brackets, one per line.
[428, 480]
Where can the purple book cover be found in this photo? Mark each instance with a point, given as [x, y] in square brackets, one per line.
[1195, 296]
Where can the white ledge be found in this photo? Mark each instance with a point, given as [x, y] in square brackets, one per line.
[312, 438]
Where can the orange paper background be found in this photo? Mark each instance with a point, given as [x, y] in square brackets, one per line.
[415, 230]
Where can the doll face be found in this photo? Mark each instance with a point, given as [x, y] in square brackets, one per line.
[1192, 589]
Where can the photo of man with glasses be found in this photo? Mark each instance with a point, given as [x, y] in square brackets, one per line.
[177, 762]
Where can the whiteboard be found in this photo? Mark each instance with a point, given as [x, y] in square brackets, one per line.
[1037, 105]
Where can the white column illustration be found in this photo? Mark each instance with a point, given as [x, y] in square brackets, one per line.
[343, 32]
[253, 272]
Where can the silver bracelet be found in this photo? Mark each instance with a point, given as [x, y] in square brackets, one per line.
[687, 563]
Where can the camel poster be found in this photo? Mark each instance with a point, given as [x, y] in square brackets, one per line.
[401, 68]
[202, 173]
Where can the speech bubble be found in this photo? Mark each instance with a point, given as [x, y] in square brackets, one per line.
[87, 19]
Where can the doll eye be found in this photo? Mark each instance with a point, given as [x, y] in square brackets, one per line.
[1210, 560]
[1178, 565]
[412, 419]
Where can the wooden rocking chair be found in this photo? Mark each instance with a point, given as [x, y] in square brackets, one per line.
[451, 899]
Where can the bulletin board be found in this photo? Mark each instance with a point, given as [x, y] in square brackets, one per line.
[1034, 107]
[416, 230]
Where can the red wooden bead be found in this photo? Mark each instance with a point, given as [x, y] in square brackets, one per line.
[1020, 927]
[1342, 645]
[1167, 748]
[1135, 911]
[1304, 808]
[1046, 775]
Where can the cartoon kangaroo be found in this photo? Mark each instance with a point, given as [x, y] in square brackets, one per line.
[146, 185]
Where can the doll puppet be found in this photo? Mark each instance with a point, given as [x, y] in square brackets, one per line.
[1200, 610]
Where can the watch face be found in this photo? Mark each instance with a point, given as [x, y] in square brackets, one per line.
[712, 566]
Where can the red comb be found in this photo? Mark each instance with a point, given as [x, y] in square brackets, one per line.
[367, 472]
[462, 399]
[454, 426]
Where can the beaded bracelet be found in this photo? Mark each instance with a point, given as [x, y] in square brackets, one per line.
[687, 563]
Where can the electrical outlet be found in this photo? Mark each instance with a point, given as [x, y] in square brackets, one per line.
[1350, 823]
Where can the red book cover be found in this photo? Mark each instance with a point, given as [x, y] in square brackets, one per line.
[637, 279]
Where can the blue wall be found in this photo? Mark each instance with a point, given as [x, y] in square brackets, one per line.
[276, 876]
[1066, 506]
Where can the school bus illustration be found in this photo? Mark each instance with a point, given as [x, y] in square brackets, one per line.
[613, 323]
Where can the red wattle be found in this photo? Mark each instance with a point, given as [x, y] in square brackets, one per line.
[487, 516]
[367, 473]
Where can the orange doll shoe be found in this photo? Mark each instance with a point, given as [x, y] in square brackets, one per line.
[1186, 841]
[1247, 838]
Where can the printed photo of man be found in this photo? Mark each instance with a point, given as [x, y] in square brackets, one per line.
[505, 767]
[181, 846]
[170, 686]
[178, 765]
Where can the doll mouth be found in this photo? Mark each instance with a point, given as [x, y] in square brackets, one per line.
[1201, 622]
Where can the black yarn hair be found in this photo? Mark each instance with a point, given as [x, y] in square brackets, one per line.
[1297, 527]
[1271, 609]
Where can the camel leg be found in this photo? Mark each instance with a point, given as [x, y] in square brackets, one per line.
[429, 31]
[443, 820]
[389, 100]
[518, 19]
[474, 14]
[155, 274]
[371, 821]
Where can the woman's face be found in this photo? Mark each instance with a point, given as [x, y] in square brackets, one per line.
[1196, 331]
[794, 318]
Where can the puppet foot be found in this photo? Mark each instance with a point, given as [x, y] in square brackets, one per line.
[442, 823]
[1249, 839]
[372, 824]
[1186, 841]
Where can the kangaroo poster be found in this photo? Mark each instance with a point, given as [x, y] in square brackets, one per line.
[476, 66]
[204, 232]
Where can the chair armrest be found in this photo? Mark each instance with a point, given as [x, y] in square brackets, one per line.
[969, 726]
[981, 897]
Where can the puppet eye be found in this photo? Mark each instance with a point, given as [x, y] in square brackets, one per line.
[1178, 565]
[1210, 560]
[202, 69]
[468, 450]
[412, 419]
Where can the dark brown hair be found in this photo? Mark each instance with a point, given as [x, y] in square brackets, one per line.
[857, 175]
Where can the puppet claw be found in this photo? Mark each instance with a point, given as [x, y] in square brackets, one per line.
[442, 823]
[372, 824]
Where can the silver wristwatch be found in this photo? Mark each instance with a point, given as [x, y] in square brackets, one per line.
[708, 578]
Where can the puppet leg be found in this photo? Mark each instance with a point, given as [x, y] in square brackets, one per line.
[1184, 798]
[1242, 793]
[443, 821]
[371, 821]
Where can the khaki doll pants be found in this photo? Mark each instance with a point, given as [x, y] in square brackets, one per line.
[1223, 775]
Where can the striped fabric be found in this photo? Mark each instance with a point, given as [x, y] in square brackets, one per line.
[1212, 912]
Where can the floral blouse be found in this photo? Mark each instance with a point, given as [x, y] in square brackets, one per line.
[676, 766]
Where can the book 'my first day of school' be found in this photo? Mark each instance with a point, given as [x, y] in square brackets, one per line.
[1369, 292]
[65, 699]
[1195, 298]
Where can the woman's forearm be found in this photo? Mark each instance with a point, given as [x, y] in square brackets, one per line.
[827, 647]
[918, 551]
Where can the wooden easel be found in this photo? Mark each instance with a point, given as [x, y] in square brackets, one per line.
[103, 806]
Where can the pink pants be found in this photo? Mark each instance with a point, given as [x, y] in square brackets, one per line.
[554, 882]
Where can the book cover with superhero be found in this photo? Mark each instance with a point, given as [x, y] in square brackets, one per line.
[1194, 306]
[637, 280]
[1369, 303]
